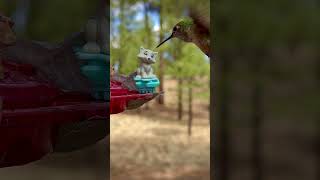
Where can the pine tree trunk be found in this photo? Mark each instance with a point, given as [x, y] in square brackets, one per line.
[211, 99]
[121, 29]
[180, 103]
[161, 63]
[148, 33]
[190, 110]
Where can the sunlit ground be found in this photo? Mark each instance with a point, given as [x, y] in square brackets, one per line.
[154, 145]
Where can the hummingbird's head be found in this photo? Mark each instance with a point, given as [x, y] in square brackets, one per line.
[181, 31]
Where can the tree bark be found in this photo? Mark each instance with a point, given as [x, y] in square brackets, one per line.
[190, 109]
[180, 95]
[121, 29]
[148, 32]
[161, 63]
[146, 24]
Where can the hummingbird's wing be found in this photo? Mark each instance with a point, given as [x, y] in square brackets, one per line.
[201, 18]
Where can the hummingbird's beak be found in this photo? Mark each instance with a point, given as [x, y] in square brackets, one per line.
[171, 36]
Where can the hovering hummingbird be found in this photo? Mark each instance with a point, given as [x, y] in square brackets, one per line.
[195, 29]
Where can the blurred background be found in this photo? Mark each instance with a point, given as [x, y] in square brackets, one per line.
[267, 80]
[53, 21]
[45, 20]
[169, 137]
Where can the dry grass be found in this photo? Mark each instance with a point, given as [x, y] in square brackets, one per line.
[154, 145]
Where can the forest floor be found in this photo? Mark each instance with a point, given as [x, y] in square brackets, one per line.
[89, 163]
[152, 144]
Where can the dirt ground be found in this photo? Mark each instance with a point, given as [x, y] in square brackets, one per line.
[86, 164]
[151, 144]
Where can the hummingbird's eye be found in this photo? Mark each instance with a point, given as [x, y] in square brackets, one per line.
[175, 28]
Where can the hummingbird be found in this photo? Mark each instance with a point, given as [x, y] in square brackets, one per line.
[194, 29]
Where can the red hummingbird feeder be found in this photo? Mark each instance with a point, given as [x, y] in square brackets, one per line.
[32, 112]
[124, 99]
